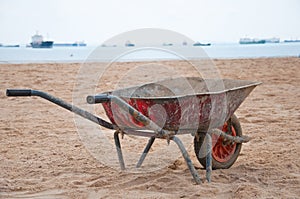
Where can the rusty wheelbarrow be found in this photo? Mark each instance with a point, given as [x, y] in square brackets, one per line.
[165, 109]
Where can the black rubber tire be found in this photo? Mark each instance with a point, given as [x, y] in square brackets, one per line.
[216, 164]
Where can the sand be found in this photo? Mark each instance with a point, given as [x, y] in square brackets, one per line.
[42, 154]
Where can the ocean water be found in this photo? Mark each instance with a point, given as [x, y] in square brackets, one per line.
[140, 53]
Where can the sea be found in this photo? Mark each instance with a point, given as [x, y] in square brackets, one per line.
[88, 53]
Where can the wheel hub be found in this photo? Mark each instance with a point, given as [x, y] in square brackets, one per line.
[223, 149]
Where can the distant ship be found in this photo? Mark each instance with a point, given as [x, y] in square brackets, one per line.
[108, 45]
[167, 44]
[79, 44]
[273, 40]
[200, 44]
[9, 46]
[252, 41]
[38, 42]
[129, 44]
[291, 40]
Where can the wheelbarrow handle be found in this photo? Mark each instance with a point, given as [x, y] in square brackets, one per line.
[100, 98]
[60, 102]
[18, 92]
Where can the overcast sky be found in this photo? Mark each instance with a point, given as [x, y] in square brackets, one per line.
[95, 21]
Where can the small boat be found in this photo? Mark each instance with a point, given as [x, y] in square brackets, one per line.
[38, 42]
[129, 44]
[201, 44]
[79, 43]
[167, 44]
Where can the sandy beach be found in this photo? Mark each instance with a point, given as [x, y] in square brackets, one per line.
[42, 154]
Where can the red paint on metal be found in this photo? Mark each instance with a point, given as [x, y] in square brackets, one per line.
[199, 112]
[221, 152]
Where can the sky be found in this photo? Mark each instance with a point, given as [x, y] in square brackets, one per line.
[96, 21]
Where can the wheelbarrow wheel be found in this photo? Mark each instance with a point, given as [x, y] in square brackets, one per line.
[223, 154]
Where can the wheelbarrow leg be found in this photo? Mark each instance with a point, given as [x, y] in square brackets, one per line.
[187, 159]
[208, 157]
[119, 150]
[145, 152]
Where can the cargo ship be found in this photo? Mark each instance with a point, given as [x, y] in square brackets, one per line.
[37, 41]
[252, 41]
[291, 40]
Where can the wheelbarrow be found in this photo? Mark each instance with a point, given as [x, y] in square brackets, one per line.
[165, 109]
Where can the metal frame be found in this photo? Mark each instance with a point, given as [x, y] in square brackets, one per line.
[157, 131]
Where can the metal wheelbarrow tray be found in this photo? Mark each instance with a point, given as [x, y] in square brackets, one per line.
[165, 109]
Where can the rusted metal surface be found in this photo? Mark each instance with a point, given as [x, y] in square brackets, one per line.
[200, 111]
[187, 159]
[60, 102]
[208, 157]
[145, 152]
[139, 117]
[119, 149]
[236, 139]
